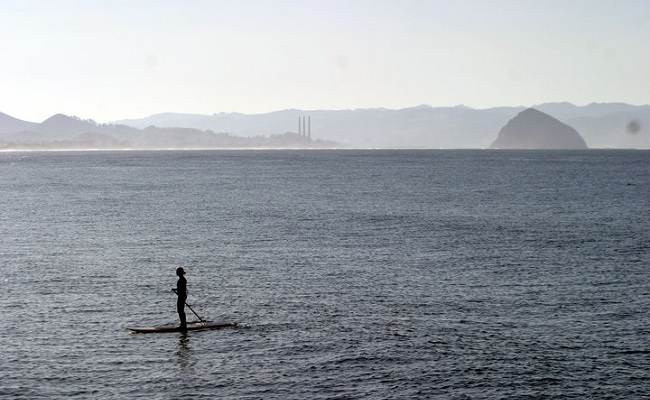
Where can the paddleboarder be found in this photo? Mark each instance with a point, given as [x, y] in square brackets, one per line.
[181, 291]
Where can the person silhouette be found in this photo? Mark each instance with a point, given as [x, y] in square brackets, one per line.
[181, 292]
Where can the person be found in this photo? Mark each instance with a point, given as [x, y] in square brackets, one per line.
[181, 292]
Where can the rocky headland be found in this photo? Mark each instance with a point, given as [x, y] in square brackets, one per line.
[533, 129]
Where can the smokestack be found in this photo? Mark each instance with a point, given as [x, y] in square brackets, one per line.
[304, 131]
[299, 130]
[309, 126]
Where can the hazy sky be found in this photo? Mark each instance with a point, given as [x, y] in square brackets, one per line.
[116, 59]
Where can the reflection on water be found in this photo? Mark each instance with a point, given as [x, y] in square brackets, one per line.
[184, 354]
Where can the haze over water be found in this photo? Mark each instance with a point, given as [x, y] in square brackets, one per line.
[354, 274]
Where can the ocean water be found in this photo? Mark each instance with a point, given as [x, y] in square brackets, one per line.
[352, 274]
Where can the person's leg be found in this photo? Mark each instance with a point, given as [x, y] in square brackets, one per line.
[180, 305]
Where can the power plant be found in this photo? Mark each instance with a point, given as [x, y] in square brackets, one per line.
[304, 126]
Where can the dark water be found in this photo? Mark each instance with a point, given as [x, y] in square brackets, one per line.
[355, 274]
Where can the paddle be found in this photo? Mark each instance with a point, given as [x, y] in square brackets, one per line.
[197, 315]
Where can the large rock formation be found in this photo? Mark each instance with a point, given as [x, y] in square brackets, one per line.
[532, 129]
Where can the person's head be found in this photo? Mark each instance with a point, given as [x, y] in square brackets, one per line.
[180, 271]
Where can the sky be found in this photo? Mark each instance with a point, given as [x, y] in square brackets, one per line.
[111, 60]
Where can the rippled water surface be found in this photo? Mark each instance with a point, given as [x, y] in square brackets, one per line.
[353, 274]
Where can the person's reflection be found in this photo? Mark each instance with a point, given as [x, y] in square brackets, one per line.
[184, 353]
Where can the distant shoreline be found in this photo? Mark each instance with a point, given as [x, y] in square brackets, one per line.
[317, 149]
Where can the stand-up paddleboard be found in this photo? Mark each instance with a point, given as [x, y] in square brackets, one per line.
[197, 326]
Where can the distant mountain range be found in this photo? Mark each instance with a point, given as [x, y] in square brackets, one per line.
[65, 132]
[607, 125]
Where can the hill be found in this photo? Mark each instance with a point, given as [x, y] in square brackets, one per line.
[9, 124]
[533, 129]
